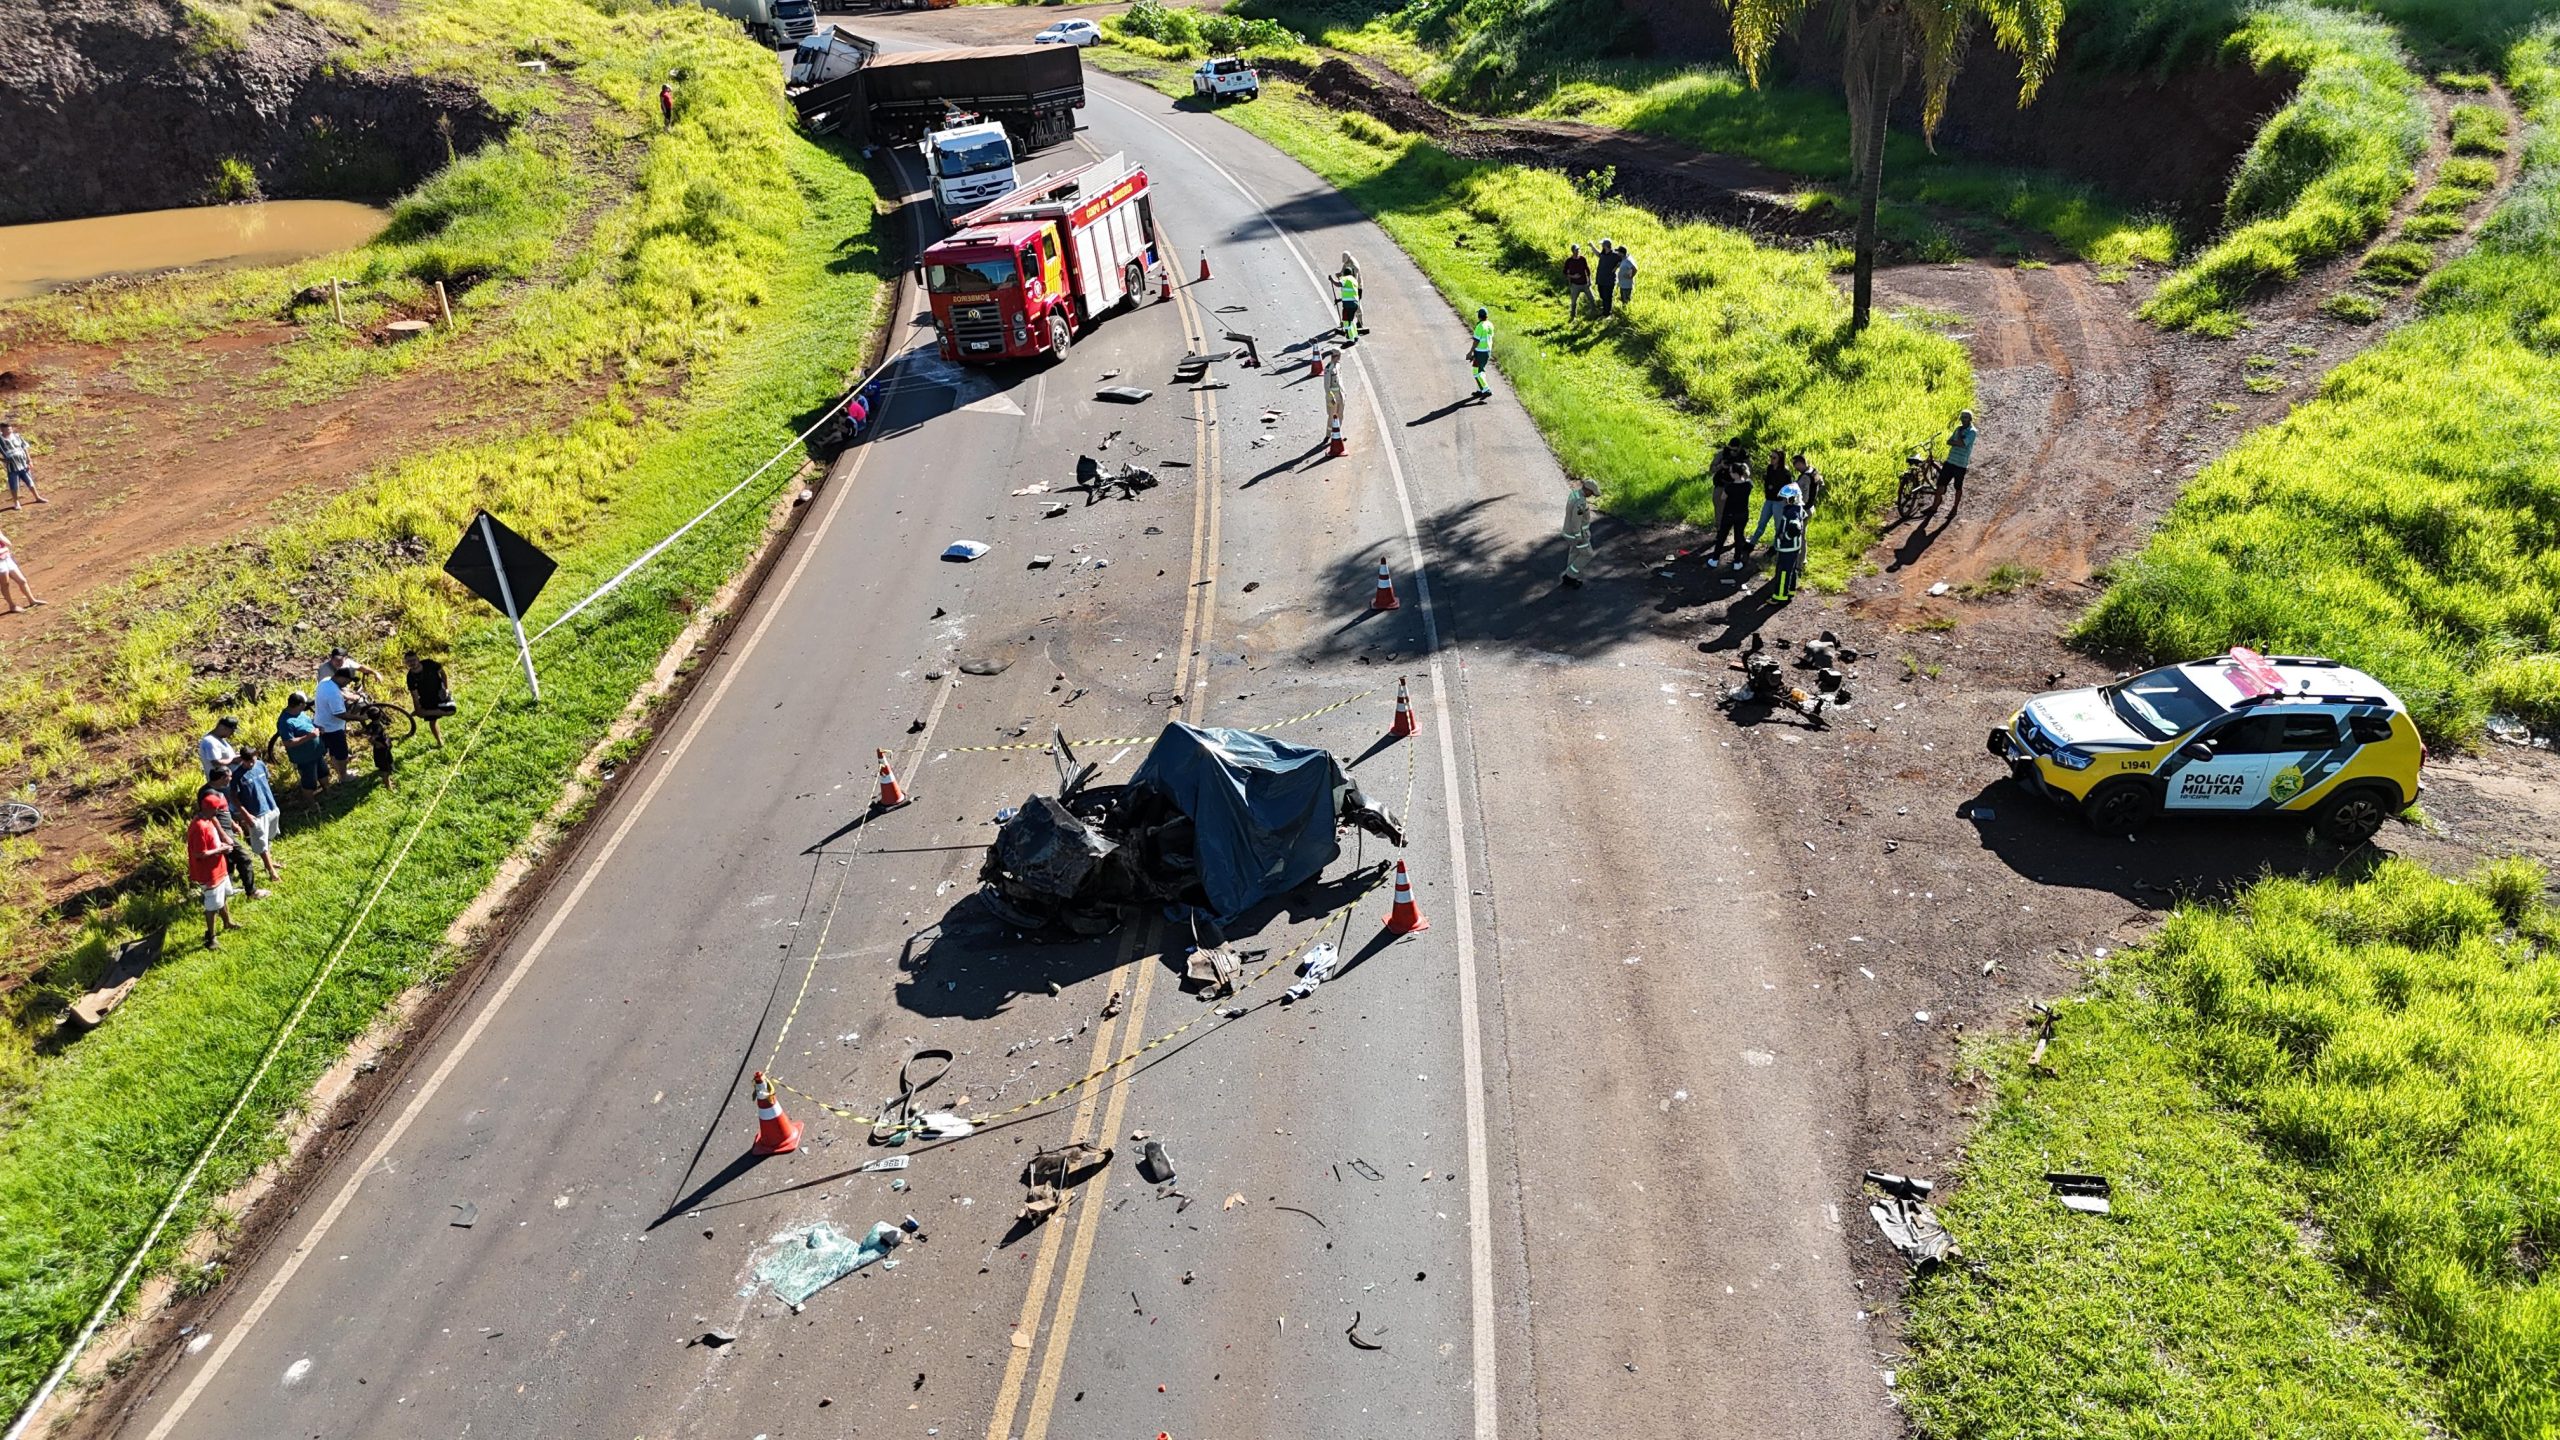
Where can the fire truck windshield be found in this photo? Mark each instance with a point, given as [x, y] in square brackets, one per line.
[962, 275]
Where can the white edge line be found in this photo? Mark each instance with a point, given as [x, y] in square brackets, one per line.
[1471, 1043]
[524, 963]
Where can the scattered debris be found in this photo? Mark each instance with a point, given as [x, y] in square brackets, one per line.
[965, 551]
[1358, 1341]
[717, 1338]
[1124, 394]
[1214, 971]
[985, 665]
[892, 1162]
[1039, 562]
[1098, 485]
[465, 1215]
[1051, 1173]
[1313, 971]
[1940, 588]
[812, 1258]
[1111, 1007]
[2508, 730]
[1233, 1201]
[1907, 1221]
[1036, 488]
[1052, 510]
[1366, 1171]
[1310, 1214]
[1154, 1166]
[2044, 1036]
[2088, 1194]
[117, 985]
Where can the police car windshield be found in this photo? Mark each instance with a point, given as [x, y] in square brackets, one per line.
[969, 275]
[2162, 703]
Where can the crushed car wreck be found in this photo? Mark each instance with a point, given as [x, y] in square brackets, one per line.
[1218, 819]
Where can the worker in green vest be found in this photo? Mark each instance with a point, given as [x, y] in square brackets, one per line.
[1346, 289]
[1480, 355]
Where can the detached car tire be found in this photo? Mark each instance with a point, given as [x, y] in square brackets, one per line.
[2352, 816]
[2120, 807]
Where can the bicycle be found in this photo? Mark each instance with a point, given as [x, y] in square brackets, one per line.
[1922, 486]
[397, 723]
[17, 817]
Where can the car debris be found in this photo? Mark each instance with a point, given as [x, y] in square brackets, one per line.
[1040, 562]
[1154, 1166]
[1214, 970]
[1051, 1173]
[1358, 1341]
[965, 551]
[1098, 485]
[1313, 971]
[893, 1162]
[1766, 687]
[133, 958]
[2088, 1194]
[1366, 1171]
[1215, 818]
[465, 1215]
[717, 1338]
[1124, 394]
[811, 1258]
[1908, 1223]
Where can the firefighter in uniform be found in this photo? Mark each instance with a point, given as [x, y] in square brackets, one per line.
[1790, 544]
[1346, 290]
[1577, 528]
[1480, 353]
[1333, 403]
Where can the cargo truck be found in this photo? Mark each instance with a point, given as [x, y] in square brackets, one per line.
[898, 97]
[777, 23]
[1025, 274]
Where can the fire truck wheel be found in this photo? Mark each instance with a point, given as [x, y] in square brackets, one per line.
[1133, 282]
[1058, 337]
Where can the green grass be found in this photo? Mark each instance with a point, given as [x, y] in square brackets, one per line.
[2479, 130]
[2356, 307]
[2328, 1113]
[2407, 520]
[2399, 263]
[1724, 336]
[2003, 579]
[2322, 176]
[733, 263]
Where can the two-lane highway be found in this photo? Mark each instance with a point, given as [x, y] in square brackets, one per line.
[1569, 1156]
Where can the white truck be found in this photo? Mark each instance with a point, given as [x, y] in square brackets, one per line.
[777, 23]
[970, 163]
[1224, 77]
[824, 55]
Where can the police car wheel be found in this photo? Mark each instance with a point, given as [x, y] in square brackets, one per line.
[2119, 807]
[2352, 816]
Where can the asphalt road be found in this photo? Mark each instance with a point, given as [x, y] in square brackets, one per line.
[1604, 1098]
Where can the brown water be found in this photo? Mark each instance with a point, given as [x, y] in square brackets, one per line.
[37, 258]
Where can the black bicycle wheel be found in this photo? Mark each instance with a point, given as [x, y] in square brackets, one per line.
[397, 723]
[18, 819]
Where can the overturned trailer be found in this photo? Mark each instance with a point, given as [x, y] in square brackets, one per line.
[1217, 819]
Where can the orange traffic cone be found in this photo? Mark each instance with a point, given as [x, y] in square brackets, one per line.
[1316, 365]
[1384, 597]
[1406, 917]
[1404, 712]
[1204, 264]
[776, 1133]
[890, 794]
[1333, 443]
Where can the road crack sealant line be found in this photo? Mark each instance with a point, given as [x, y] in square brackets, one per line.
[1151, 739]
[1483, 1341]
[983, 1119]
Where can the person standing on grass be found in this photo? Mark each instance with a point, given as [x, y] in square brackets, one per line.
[1626, 276]
[21, 465]
[430, 694]
[253, 799]
[1959, 455]
[1733, 509]
[1607, 272]
[667, 105]
[377, 739]
[1577, 283]
[214, 750]
[329, 713]
[10, 574]
[1772, 480]
[300, 736]
[340, 660]
[1578, 495]
[1480, 351]
[209, 865]
[1808, 481]
[226, 818]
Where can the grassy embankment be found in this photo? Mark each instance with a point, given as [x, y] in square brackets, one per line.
[2323, 174]
[2329, 1114]
[1724, 336]
[1565, 60]
[2407, 519]
[696, 294]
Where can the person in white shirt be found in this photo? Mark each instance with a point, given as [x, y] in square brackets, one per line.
[329, 712]
[215, 752]
[340, 660]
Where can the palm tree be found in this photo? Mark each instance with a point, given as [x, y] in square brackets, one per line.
[1883, 39]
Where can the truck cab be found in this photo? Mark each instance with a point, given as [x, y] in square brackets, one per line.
[970, 164]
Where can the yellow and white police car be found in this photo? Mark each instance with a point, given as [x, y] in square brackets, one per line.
[2237, 734]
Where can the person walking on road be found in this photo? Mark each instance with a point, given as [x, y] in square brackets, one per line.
[10, 575]
[1733, 508]
[21, 465]
[1346, 293]
[1789, 551]
[1577, 283]
[1607, 272]
[1959, 455]
[209, 865]
[1626, 276]
[1480, 351]
[1578, 495]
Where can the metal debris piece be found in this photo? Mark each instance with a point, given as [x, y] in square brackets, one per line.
[2088, 1194]
[1111, 1007]
[965, 550]
[1358, 1340]
[1051, 1173]
[465, 1215]
[1215, 969]
[1154, 1166]
[1364, 1169]
[985, 665]
[1913, 1227]
[1124, 394]
[1040, 562]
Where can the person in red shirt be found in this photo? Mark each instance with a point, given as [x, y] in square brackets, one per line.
[667, 105]
[209, 864]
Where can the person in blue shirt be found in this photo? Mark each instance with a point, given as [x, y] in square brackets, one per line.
[299, 733]
[1959, 455]
[253, 804]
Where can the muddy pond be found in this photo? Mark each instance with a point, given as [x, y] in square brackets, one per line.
[49, 256]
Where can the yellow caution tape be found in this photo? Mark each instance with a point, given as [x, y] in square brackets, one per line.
[1150, 739]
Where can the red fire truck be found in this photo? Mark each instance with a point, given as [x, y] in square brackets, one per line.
[1026, 273]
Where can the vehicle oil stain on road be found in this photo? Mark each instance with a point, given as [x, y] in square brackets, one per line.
[61, 253]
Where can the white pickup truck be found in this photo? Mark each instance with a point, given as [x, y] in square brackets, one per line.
[1224, 77]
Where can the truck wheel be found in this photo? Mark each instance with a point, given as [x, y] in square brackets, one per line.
[2352, 816]
[1059, 338]
[2119, 807]
[1133, 281]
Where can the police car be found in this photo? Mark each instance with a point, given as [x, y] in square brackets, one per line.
[2237, 734]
